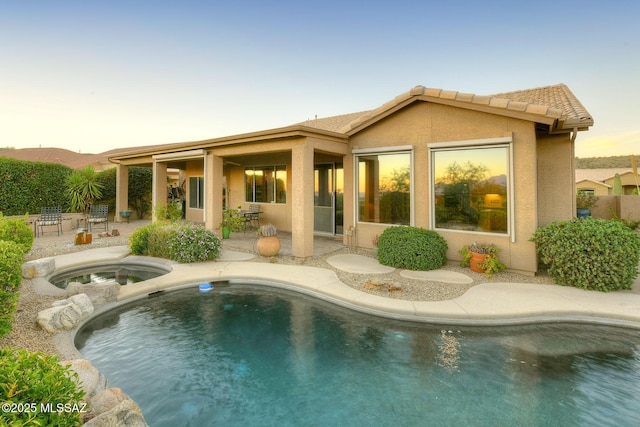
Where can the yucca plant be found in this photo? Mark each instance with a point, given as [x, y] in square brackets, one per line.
[83, 188]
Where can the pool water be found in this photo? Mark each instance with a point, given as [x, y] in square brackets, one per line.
[123, 274]
[243, 356]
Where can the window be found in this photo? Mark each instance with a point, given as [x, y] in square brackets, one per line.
[196, 192]
[266, 184]
[471, 188]
[384, 187]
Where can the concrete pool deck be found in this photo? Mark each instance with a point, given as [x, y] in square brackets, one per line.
[483, 304]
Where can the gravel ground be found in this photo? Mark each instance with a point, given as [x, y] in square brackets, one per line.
[27, 334]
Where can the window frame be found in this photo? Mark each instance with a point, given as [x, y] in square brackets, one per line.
[200, 192]
[275, 170]
[390, 150]
[475, 144]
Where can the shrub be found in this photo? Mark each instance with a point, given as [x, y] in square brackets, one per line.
[191, 243]
[589, 253]
[10, 280]
[37, 379]
[181, 242]
[16, 230]
[412, 248]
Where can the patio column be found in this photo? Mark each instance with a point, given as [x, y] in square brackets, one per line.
[302, 200]
[122, 191]
[159, 191]
[213, 179]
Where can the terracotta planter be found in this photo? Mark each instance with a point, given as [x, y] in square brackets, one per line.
[475, 260]
[268, 246]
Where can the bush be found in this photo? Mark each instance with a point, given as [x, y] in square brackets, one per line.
[594, 254]
[17, 231]
[37, 379]
[10, 280]
[181, 242]
[412, 248]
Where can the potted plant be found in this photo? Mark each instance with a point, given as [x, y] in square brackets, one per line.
[482, 258]
[584, 202]
[232, 220]
[268, 244]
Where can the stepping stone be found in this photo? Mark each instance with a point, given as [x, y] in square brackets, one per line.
[437, 276]
[358, 264]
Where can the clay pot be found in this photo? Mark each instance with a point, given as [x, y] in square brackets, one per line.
[268, 246]
[475, 260]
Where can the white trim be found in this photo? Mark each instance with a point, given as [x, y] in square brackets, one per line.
[392, 149]
[180, 155]
[471, 143]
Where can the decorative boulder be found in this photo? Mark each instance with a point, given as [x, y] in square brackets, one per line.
[65, 314]
[91, 380]
[126, 413]
[38, 268]
[99, 293]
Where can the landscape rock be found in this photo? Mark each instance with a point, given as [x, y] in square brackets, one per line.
[126, 413]
[91, 380]
[65, 314]
[98, 293]
[38, 268]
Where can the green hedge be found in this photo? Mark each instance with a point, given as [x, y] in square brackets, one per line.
[28, 186]
[33, 386]
[140, 183]
[412, 248]
[10, 279]
[589, 253]
[181, 242]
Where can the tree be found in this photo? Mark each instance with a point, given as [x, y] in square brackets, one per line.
[83, 187]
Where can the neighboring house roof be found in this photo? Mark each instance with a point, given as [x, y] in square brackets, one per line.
[599, 175]
[597, 183]
[65, 157]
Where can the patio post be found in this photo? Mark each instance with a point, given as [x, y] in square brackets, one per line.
[302, 200]
[122, 191]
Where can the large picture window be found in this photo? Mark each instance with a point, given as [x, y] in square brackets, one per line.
[266, 184]
[384, 188]
[471, 188]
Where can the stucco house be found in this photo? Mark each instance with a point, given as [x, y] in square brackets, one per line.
[473, 168]
[599, 182]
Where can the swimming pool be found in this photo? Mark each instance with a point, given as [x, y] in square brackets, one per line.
[245, 355]
[123, 273]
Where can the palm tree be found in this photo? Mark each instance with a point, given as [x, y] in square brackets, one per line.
[83, 188]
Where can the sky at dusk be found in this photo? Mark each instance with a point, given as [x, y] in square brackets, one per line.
[91, 76]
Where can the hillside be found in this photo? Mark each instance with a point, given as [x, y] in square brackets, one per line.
[605, 162]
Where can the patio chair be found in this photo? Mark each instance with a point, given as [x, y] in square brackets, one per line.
[98, 214]
[49, 216]
[253, 216]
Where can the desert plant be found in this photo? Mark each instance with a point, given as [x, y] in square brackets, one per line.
[617, 185]
[83, 188]
[10, 280]
[139, 239]
[17, 230]
[39, 387]
[593, 254]
[268, 230]
[412, 248]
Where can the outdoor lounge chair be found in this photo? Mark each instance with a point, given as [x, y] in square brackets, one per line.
[49, 216]
[98, 214]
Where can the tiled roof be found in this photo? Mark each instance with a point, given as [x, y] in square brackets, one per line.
[551, 104]
[558, 97]
[333, 123]
[599, 175]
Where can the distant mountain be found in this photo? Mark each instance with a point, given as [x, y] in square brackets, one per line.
[605, 162]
